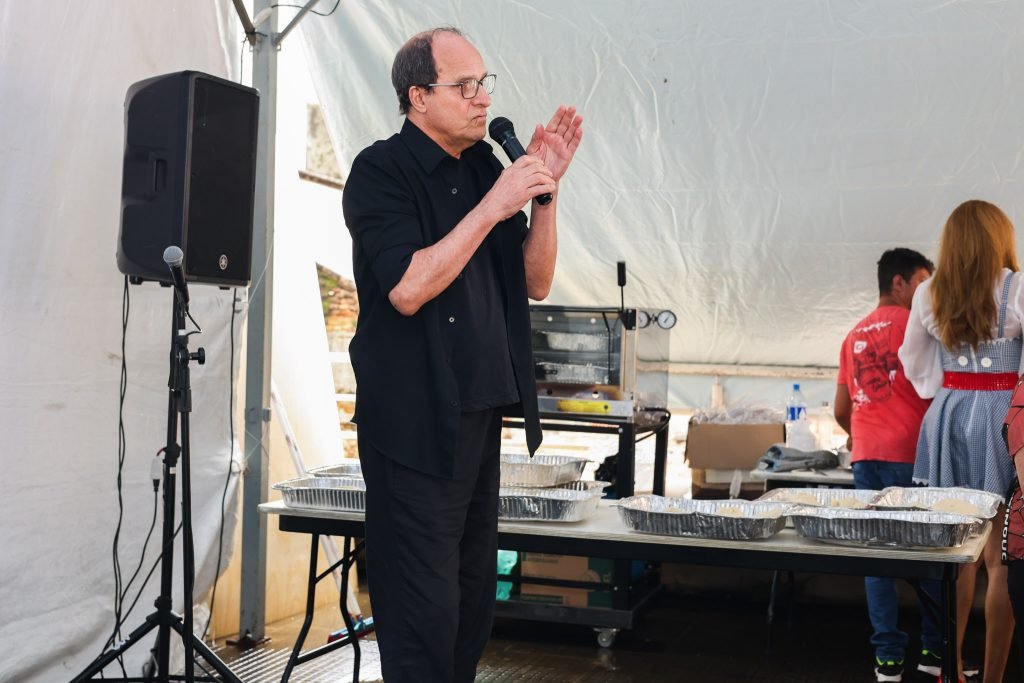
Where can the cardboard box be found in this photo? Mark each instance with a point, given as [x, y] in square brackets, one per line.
[712, 446]
[570, 568]
[566, 597]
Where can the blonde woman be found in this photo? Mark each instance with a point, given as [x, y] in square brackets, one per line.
[963, 347]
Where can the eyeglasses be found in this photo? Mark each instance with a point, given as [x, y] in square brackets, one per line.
[471, 86]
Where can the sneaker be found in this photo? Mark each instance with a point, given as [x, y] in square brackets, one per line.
[930, 663]
[888, 671]
[972, 671]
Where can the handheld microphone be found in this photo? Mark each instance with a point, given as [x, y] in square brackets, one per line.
[174, 257]
[504, 134]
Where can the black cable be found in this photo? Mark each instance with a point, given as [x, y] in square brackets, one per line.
[156, 563]
[312, 11]
[121, 450]
[138, 568]
[666, 417]
[198, 330]
[231, 454]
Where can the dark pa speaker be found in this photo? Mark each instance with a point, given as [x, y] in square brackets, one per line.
[189, 178]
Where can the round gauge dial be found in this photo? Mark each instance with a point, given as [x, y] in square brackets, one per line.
[666, 320]
[643, 319]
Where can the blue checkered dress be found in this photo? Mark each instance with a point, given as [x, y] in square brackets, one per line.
[961, 440]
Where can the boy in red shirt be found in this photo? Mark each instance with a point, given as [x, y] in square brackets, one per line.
[879, 408]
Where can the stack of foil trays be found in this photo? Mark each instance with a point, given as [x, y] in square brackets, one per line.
[352, 468]
[324, 493]
[897, 517]
[737, 520]
[904, 517]
[546, 488]
[896, 528]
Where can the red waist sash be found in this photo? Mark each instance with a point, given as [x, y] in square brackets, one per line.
[980, 381]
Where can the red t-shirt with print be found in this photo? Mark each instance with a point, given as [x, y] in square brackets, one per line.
[1013, 431]
[887, 411]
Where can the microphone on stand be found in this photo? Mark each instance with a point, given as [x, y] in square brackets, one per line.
[504, 134]
[174, 257]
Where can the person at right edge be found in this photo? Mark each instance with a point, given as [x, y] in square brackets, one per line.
[963, 347]
[882, 413]
[1013, 530]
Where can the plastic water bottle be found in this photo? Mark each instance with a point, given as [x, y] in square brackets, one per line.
[826, 425]
[796, 406]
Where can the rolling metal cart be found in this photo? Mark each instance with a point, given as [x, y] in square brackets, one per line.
[586, 368]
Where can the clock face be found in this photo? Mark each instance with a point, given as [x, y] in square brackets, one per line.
[666, 320]
[643, 319]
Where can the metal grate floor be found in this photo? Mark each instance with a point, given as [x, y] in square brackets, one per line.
[266, 665]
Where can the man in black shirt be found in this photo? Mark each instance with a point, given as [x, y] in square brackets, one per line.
[444, 263]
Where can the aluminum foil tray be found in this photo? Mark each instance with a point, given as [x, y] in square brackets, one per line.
[569, 503]
[324, 493]
[897, 528]
[852, 499]
[738, 520]
[347, 469]
[957, 501]
[571, 373]
[540, 470]
[595, 487]
[576, 341]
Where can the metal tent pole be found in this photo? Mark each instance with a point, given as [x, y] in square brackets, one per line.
[265, 42]
[252, 617]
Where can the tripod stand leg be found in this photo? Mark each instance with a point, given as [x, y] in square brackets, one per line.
[101, 662]
[207, 654]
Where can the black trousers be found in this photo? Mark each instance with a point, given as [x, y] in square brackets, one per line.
[431, 557]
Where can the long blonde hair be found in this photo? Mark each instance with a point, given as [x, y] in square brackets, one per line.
[977, 243]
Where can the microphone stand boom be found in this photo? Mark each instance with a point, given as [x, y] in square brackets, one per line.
[164, 619]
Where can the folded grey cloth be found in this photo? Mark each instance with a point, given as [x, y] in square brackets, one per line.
[779, 458]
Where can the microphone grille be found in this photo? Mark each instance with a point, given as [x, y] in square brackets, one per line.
[500, 128]
[173, 256]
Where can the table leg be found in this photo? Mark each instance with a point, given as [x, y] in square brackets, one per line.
[660, 460]
[949, 654]
[624, 477]
[310, 602]
[350, 556]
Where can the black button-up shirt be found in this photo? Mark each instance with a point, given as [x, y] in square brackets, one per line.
[467, 349]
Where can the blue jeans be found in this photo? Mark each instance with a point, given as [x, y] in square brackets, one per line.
[883, 599]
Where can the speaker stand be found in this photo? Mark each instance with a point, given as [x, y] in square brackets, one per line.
[164, 620]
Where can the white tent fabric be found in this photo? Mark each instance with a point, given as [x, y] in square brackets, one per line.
[749, 161]
[64, 70]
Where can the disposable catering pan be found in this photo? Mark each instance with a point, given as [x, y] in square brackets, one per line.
[854, 499]
[957, 501]
[738, 520]
[576, 341]
[540, 470]
[571, 373]
[345, 469]
[324, 493]
[897, 528]
[566, 503]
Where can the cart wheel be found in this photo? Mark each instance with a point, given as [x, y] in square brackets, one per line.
[606, 636]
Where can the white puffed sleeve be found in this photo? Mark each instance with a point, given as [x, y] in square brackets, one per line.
[1015, 312]
[920, 354]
